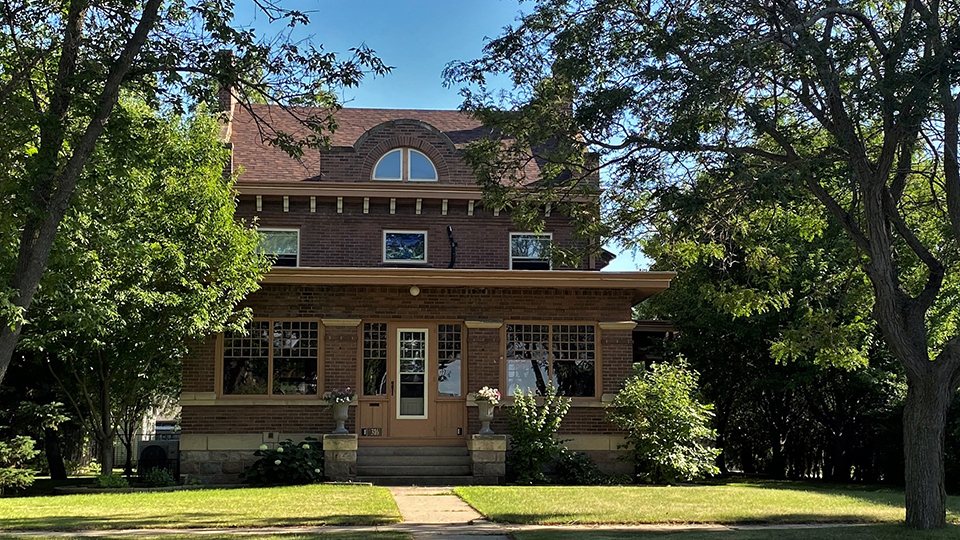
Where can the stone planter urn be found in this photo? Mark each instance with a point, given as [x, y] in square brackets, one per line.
[340, 413]
[485, 409]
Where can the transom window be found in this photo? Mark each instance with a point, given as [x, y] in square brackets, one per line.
[530, 251]
[561, 354]
[283, 245]
[272, 358]
[405, 164]
[409, 247]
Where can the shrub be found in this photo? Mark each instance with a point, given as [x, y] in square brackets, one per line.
[532, 429]
[159, 477]
[111, 481]
[13, 456]
[667, 427]
[288, 464]
[577, 469]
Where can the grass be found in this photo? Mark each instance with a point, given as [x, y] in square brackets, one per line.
[867, 532]
[393, 535]
[253, 507]
[746, 502]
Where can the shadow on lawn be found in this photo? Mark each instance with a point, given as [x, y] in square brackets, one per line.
[771, 519]
[180, 520]
[891, 531]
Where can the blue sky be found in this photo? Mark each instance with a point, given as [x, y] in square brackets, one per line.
[418, 38]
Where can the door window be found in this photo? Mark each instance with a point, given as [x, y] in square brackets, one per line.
[412, 368]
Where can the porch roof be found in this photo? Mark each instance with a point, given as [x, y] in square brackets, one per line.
[643, 284]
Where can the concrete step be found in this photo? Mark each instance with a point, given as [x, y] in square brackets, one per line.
[417, 480]
[412, 451]
[363, 460]
[415, 470]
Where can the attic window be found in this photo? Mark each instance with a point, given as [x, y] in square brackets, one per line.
[405, 164]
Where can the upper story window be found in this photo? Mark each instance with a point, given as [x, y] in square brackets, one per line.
[405, 164]
[405, 246]
[530, 251]
[283, 245]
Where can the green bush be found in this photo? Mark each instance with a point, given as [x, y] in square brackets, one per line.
[577, 469]
[532, 429]
[13, 456]
[667, 427]
[111, 481]
[159, 477]
[288, 464]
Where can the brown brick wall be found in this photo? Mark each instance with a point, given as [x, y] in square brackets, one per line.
[199, 365]
[228, 419]
[355, 239]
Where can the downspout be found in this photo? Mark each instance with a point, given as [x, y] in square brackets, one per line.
[453, 247]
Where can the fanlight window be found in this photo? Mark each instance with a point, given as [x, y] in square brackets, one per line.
[405, 164]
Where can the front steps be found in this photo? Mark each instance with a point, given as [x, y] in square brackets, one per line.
[414, 466]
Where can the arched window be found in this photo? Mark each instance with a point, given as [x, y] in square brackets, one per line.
[404, 164]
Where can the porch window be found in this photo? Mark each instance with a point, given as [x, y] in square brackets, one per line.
[272, 358]
[530, 251]
[449, 356]
[562, 354]
[374, 359]
[282, 245]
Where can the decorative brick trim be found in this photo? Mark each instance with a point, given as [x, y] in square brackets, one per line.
[483, 324]
[617, 325]
[341, 322]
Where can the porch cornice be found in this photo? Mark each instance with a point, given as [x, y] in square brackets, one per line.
[643, 284]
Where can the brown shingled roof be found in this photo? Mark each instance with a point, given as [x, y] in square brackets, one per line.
[266, 163]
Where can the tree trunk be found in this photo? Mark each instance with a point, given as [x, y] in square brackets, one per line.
[51, 446]
[128, 462]
[105, 440]
[924, 424]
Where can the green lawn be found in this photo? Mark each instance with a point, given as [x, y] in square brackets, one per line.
[392, 535]
[758, 502]
[253, 507]
[866, 532]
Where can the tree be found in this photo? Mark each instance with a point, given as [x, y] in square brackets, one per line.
[66, 63]
[797, 91]
[150, 257]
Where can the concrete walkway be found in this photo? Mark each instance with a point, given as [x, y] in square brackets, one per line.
[437, 514]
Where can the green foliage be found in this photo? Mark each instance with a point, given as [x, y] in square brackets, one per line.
[667, 427]
[577, 469]
[288, 464]
[14, 454]
[159, 477]
[111, 481]
[532, 430]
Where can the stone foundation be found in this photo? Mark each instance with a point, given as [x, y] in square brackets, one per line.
[488, 455]
[219, 459]
[340, 457]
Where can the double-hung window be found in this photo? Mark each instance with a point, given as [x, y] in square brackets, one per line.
[530, 251]
[560, 354]
[272, 358]
[282, 245]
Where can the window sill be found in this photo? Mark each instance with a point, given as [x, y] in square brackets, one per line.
[210, 399]
[577, 402]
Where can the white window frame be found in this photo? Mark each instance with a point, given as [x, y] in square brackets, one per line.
[426, 376]
[377, 164]
[515, 234]
[426, 246]
[432, 164]
[274, 229]
[405, 166]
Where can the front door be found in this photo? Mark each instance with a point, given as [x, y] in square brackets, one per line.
[419, 397]
[410, 387]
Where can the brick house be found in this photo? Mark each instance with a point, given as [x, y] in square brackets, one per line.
[393, 279]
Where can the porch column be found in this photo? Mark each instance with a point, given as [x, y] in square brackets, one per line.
[340, 457]
[488, 455]
[484, 359]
